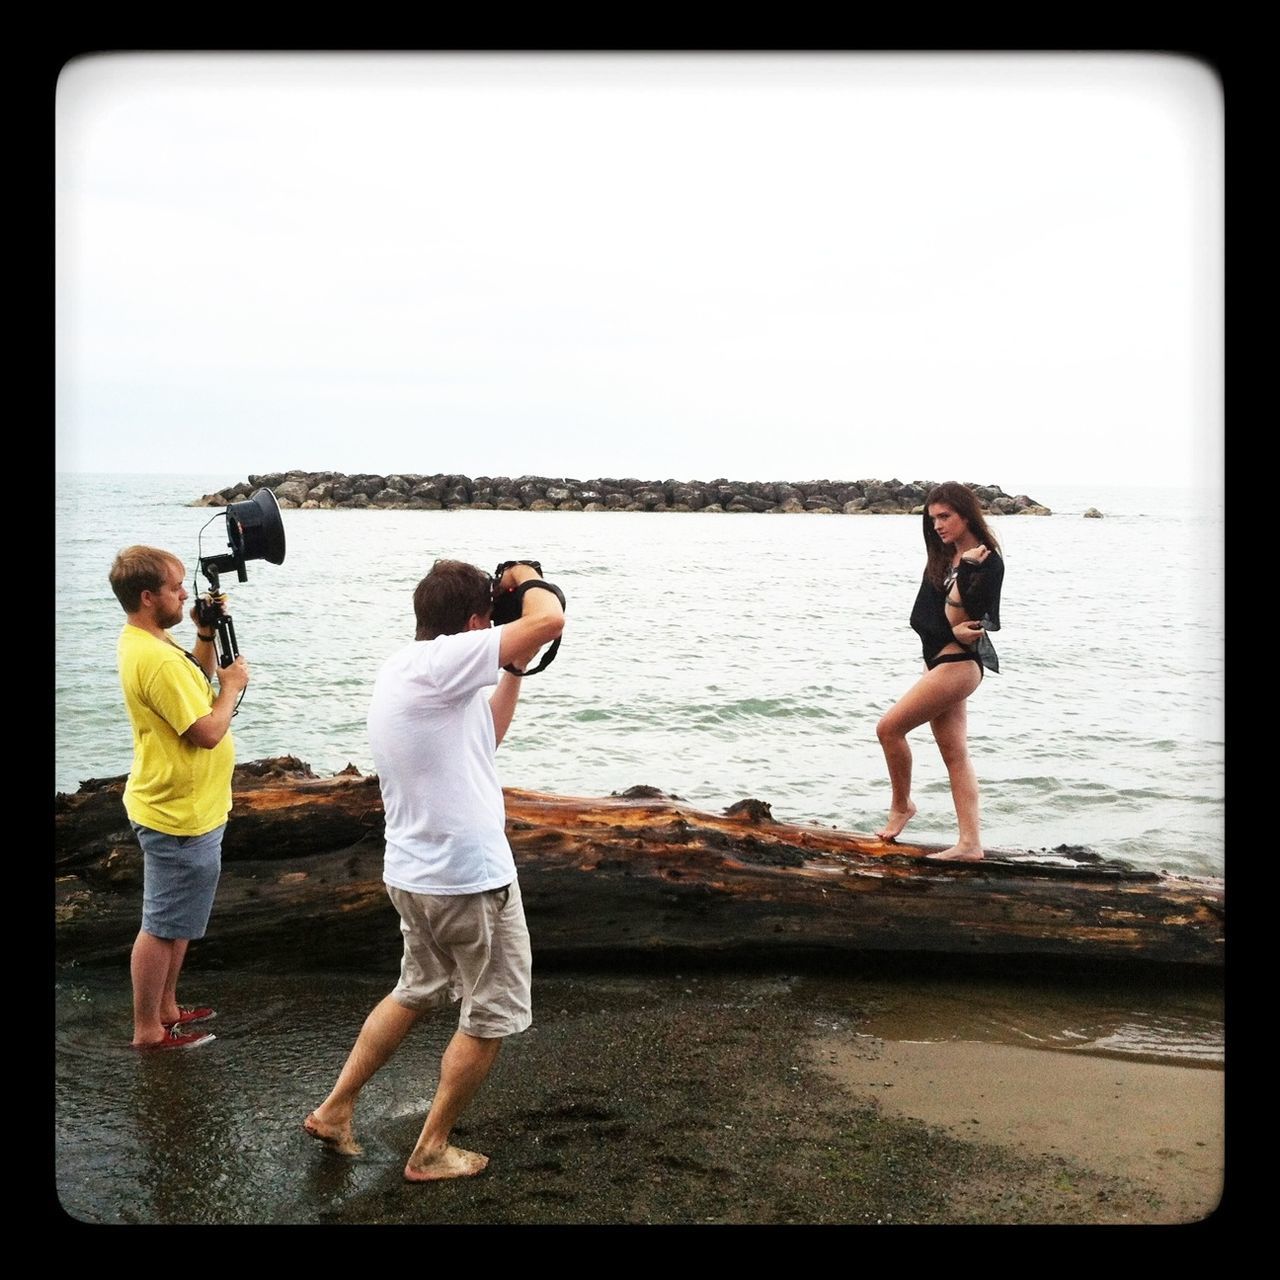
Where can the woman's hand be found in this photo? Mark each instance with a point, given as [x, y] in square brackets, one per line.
[976, 555]
[967, 633]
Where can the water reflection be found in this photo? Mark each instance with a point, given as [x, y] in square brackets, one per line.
[1147, 1022]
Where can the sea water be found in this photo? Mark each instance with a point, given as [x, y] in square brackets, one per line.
[718, 657]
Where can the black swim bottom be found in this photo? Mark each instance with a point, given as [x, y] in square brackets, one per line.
[955, 657]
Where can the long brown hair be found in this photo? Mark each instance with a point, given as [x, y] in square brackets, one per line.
[964, 502]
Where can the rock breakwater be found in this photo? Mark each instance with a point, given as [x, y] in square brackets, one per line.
[312, 490]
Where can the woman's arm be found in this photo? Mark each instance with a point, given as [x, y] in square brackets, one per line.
[979, 582]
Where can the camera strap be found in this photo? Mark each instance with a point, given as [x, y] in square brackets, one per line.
[508, 604]
[517, 600]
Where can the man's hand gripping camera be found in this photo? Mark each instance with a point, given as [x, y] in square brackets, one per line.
[508, 604]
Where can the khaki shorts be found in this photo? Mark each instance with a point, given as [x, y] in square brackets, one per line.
[472, 947]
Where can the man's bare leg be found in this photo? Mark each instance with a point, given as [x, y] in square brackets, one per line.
[379, 1038]
[169, 1009]
[150, 964]
[466, 1063]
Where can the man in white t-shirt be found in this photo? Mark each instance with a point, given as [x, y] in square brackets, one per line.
[448, 867]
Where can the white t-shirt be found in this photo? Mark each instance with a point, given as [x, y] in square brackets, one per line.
[433, 741]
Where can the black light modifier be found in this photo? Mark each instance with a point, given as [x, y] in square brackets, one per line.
[255, 531]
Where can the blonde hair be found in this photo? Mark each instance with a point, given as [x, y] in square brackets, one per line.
[139, 569]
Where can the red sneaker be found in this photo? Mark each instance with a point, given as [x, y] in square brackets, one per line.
[177, 1040]
[188, 1016]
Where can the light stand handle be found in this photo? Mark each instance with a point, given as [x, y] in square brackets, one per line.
[227, 651]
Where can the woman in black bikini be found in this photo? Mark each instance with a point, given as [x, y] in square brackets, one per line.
[959, 602]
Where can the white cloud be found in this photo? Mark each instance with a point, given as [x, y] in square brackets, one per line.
[839, 265]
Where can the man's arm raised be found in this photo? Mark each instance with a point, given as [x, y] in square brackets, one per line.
[540, 622]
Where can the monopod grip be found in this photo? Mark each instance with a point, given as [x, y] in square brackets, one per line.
[227, 651]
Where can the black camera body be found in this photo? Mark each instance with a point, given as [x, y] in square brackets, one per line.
[508, 604]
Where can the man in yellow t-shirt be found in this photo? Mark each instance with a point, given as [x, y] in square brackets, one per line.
[179, 789]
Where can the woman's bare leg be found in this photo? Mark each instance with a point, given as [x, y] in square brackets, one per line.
[935, 693]
[897, 756]
[951, 732]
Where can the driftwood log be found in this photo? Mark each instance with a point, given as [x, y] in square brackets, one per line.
[633, 877]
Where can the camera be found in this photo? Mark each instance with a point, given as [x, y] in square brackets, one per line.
[508, 604]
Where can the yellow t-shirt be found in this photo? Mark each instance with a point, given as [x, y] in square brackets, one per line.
[174, 786]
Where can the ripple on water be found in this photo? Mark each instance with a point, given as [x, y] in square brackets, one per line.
[688, 663]
[1154, 1024]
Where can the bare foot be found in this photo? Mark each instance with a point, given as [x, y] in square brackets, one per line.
[337, 1138]
[957, 853]
[898, 818]
[452, 1162]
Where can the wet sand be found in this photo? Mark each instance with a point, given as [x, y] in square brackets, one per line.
[691, 1098]
[1159, 1127]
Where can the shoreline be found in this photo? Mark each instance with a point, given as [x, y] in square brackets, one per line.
[682, 1098]
[1055, 1073]
[1157, 1126]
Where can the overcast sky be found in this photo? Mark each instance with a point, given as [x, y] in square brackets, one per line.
[1004, 268]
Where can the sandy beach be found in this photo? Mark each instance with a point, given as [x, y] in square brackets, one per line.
[1157, 1127]
[666, 1099]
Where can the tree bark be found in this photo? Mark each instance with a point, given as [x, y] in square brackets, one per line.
[636, 877]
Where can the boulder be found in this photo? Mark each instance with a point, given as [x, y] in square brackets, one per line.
[418, 492]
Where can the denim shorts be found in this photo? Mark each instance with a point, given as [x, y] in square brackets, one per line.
[179, 878]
